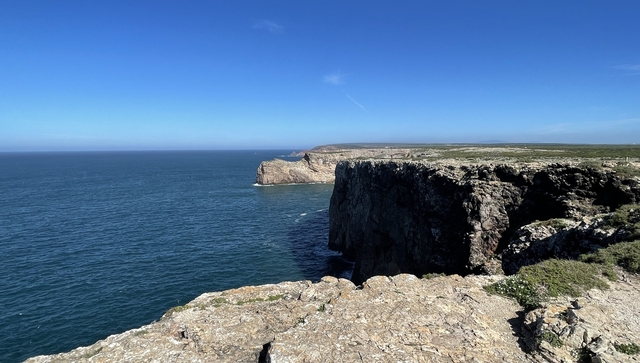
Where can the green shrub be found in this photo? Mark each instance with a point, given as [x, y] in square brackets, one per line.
[176, 309]
[518, 288]
[623, 254]
[630, 349]
[432, 275]
[564, 277]
[556, 223]
[626, 171]
[549, 337]
[551, 278]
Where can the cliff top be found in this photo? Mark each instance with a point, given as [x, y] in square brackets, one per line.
[482, 151]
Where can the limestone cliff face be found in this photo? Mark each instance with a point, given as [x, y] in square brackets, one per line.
[312, 168]
[452, 217]
[318, 165]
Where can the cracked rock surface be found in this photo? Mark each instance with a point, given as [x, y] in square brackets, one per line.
[387, 319]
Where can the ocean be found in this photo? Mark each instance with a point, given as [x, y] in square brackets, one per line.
[96, 243]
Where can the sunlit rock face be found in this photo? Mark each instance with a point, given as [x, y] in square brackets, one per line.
[388, 319]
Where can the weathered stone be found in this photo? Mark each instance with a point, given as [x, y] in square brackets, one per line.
[402, 318]
[389, 319]
[590, 326]
[318, 165]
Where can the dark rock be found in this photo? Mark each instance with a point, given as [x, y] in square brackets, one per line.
[416, 217]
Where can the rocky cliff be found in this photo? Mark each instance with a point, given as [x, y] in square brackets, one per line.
[387, 319]
[451, 216]
[312, 168]
[318, 165]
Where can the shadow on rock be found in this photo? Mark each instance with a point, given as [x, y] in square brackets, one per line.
[524, 335]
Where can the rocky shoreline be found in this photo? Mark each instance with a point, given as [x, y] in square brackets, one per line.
[407, 212]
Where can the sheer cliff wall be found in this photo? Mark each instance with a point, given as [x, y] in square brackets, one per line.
[452, 217]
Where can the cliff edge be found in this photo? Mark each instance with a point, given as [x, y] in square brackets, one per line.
[318, 165]
[388, 319]
[452, 216]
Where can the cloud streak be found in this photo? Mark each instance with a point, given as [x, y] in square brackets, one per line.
[269, 26]
[356, 102]
[631, 69]
[335, 79]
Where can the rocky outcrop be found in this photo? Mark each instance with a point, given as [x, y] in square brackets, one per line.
[451, 216]
[318, 165]
[389, 319]
[312, 168]
[593, 328]
[561, 238]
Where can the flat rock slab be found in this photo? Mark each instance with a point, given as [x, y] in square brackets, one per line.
[387, 319]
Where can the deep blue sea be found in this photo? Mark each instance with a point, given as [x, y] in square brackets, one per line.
[93, 244]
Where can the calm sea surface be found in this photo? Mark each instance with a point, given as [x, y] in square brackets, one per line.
[93, 244]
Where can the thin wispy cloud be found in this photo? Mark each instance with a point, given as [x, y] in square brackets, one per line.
[335, 79]
[269, 26]
[356, 102]
[631, 69]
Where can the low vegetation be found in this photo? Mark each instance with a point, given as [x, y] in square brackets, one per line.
[627, 217]
[630, 349]
[432, 275]
[550, 337]
[518, 288]
[626, 171]
[91, 353]
[624, 254]
[552, 278]
[176, 309]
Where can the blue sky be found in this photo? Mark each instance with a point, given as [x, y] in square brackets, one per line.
[140, 75]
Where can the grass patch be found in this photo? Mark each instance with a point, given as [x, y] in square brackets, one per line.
[630, 349]
[625, 171]
[140, 333]
[322, 308]
[432, 275]
[623, 216]
[551, 278]
[176, 309]
[242, 302]
[623, 254]
[517, 288]
[627, 217]
[555, 223]
[91, 353]
[217, 302]
[259, 299]
[564, 277]
[549, 337]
